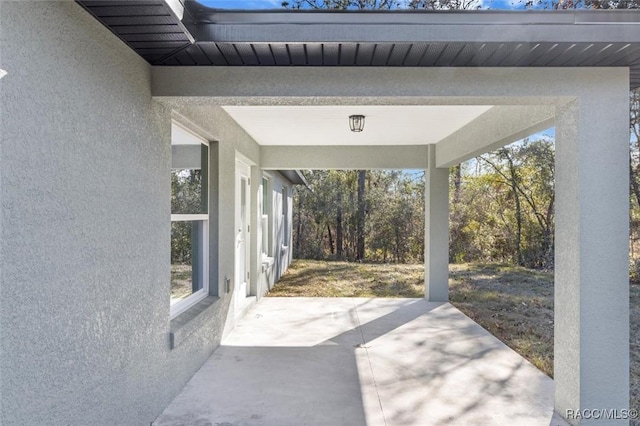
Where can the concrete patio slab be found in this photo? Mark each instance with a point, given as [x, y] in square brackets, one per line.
[357, 361]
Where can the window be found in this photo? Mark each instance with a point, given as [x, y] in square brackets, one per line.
[264, 223]
[285, 216]
[265, 196]
[189, 219]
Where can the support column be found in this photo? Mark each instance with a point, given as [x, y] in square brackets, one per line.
[591, 344]
[436, 233]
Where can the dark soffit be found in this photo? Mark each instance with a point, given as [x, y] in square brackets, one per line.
[176, 33]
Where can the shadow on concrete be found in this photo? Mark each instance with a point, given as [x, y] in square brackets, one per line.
[362, 362]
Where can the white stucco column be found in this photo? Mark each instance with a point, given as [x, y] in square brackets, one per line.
[436, 232]
[591, 273]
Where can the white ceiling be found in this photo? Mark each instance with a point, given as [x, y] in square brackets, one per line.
[329, 125]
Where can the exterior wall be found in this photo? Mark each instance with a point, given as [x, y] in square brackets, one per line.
[591, 283]
[591, 336]
[233, 142]
[280, 252]
[281, 245]
[86, 336]
[84, 224]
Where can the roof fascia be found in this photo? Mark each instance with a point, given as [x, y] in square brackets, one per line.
[418, 26]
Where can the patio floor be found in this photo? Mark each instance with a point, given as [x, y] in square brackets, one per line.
[360, 361]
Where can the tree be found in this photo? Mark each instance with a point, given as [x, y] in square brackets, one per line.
[362, 175]
[186, 197]
[634, 172]
[505, 210]
[339, 233]
[342, 4]
[501, 211]
[382, 4]
[581, 4]
[393, 206]
[511, 179]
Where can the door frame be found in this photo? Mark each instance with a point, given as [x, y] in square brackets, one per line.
[242, 231]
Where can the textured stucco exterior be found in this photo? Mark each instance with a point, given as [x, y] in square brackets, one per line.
[269, 268]
[85, 318]
[86, 336]
[436, 238]
[589, 110]
[344, 157]
[591, 363]
[282, 243]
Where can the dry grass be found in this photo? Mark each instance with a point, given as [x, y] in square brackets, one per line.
[309, 278]
[514, 304]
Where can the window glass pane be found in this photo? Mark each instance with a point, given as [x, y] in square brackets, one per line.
[186, 192]
[189, 177]
[264, 226]
[187, 258]
[264, 222]
[265, 196]
[285, 200]
[285, 215]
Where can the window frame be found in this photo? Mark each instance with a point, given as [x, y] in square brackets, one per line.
[266, 207]
[184, 304]
[286, 234]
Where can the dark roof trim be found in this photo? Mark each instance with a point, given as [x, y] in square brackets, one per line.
[185, 33]
[155, 29]
[484, 26]
[414, 55]
[294, 176]
[206, 15]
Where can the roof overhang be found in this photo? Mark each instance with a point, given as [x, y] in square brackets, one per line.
[484, 26]
[294, 176]
[165, 33]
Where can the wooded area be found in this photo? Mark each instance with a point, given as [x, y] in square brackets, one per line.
[459, 4]
[501, 204]
[501, 209]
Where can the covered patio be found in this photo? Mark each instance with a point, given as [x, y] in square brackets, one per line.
[360, 361]
[91, 91]
[467, 84]
[590, 114]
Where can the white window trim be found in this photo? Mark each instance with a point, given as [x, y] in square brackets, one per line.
[266, 218]
[189, 217]
[286, 234]
[182, 305]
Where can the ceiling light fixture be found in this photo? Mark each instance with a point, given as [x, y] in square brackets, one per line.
[356, 123]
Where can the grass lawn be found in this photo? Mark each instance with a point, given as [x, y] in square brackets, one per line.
[514, 304]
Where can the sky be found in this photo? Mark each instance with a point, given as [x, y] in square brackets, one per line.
[276, 4]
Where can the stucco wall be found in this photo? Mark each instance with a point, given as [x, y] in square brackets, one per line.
[282, 254]
[270, 274]
[85, 233]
